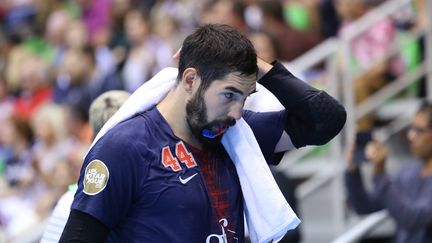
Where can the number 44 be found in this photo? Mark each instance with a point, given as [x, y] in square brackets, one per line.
[182, 155]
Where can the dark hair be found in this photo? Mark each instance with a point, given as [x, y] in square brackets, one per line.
[216, 50]
[426, 107]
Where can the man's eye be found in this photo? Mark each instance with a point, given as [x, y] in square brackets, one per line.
[229, 95]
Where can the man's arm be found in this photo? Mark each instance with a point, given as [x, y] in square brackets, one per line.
[82, 227]
[361, 201]
[313, 116]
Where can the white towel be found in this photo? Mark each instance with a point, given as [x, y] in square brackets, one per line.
[268, 215]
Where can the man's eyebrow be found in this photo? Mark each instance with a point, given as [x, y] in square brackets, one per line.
[235, 90]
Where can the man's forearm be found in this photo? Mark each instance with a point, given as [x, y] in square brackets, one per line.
[82, 227]
[313, 116]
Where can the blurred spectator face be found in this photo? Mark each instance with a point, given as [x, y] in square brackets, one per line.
[43, 131]
[165, 26]
[76, 36]
[56, 27]
[48, 123]
[63, 174]
[137, 27]
[263, 46]
[420, 136]
[350, 10]
[75, 66]
[34, 74]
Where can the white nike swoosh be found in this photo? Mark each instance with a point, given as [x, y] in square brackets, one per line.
[186, 180]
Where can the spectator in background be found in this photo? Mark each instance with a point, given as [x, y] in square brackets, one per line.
[19, 19]
[118, 43]
[71, 84]
[15, 56]
[227, 12]
[17, 140]
[77, 124]
[101, 109]
[265, 46]
[104, 106]
[292, 42]
[185, 13]
[17, 197]
[368, 50]
[34, 86]
[76, 36]
[48, 124]
[80, 80]
[55, 33]
[148, 53]
[167, 28]
[50, 150]
[65, 31]
[407, 196]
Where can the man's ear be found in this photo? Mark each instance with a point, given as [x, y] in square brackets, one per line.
[189, 79]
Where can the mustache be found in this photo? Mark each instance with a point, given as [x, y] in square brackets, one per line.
[228, 122]
[216, 128]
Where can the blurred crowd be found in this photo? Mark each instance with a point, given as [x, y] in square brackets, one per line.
[57, 56]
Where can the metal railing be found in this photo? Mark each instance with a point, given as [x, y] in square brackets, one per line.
[361, 229]
[327, 53]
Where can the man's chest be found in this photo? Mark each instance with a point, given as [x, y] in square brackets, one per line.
[178, 178]
[198, 190]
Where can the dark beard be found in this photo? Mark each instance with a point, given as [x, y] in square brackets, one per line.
[196, 117]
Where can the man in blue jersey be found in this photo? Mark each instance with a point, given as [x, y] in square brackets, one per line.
[163, 174]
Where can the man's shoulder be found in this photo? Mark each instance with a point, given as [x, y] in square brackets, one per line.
[129, 135]
[138, 126]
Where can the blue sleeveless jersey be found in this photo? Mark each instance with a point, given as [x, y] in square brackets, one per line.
[147, 185]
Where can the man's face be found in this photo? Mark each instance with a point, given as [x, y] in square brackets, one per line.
[420, 136]
[212, 111]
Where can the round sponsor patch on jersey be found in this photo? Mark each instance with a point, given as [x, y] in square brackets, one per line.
[96, 177]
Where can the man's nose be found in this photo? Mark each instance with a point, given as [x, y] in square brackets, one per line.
[236, 110]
